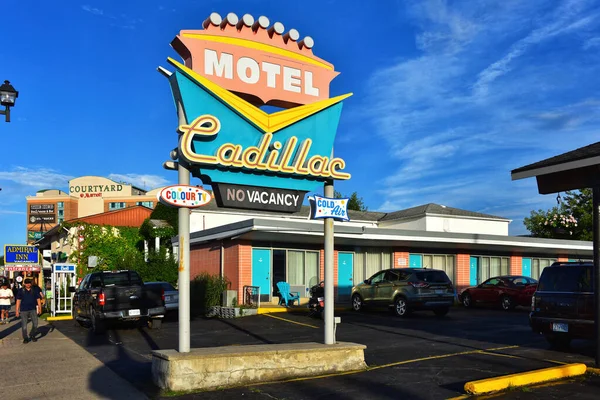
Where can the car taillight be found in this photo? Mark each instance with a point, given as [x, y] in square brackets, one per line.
[532, 303]
[101, 299]
[162, 295]
[419, 284]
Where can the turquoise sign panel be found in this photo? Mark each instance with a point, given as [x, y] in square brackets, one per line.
[320, 128]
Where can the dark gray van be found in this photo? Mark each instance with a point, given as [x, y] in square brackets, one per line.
[562, 308]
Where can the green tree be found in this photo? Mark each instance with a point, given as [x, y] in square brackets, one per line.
[1, 260]
[572, 219]
[354, 202]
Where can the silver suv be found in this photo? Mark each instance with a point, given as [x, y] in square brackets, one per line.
[407, 290]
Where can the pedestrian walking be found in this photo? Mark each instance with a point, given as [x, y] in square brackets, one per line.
[29, 305]
[5, 302]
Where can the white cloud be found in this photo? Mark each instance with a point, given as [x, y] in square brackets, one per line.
[147, 182]
[93, 10]
[43, 178]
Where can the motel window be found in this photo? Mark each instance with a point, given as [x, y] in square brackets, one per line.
[149, 204]
[538, 265]
[445, 262]
[490, 267]
[116, 206]
[61, 213]
[60, 204]
[302, 268]
[369, 261]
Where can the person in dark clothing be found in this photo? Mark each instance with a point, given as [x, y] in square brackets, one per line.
[29, 305]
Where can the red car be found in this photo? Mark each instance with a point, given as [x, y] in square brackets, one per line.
[506, 291]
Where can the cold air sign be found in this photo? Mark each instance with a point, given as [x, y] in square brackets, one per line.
[325, 207]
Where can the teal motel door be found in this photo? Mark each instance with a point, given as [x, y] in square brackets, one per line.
[526, 267]
[415, 260]
[474, 271]
[261, 272]
[345, 278]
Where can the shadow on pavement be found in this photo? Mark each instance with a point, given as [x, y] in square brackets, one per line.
[136, 372]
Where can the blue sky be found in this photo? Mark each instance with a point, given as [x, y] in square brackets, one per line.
[449, 96]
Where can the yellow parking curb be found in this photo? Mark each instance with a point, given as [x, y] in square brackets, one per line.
[61, 318]
[525, 378]
[595, 371]
[270, 310]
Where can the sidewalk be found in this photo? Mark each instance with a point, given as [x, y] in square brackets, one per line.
[55, 367]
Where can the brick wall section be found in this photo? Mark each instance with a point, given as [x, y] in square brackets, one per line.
[205, 258]
[245, 266]
[230, 265]
[400, 259]
[462, 270]
[516, 265]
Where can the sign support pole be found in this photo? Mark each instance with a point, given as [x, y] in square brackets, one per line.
[184, 255]
[596, 228]
[328, 250]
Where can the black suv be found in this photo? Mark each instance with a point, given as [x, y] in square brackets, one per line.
[562, 308]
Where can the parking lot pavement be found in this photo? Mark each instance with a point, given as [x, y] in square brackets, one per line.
[419, 357]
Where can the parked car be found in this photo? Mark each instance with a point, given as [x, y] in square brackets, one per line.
[117, 295]
[562, 307]
[505, 291]
[406, 290]
[171, 294]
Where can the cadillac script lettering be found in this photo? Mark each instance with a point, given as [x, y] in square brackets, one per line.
[269, 155]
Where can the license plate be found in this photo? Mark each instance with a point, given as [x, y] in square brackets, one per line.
[167, 298]
[440, 291]
[134, 312]
[559, 327]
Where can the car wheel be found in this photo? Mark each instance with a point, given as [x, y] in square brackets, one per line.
[401, 307]
[507, 303]
[98, 326]
[357, 303]
[558, 341]
[467, 300]
[440, 312]
[155, 323]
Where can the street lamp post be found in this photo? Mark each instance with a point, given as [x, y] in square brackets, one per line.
[8, 96]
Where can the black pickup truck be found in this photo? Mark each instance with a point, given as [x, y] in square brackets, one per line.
[117, 295]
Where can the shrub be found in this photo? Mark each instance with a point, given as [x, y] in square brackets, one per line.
[205, 292]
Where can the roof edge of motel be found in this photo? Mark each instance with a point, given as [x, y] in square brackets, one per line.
[436, 209]
[308, 228]
[583, 156]
[374, 216]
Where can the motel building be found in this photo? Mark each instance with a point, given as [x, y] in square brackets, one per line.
[261, 248]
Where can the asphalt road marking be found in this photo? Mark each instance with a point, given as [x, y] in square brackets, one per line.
[307, 378]
[290, 321]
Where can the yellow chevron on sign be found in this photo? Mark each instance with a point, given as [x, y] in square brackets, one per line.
[266, 122]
